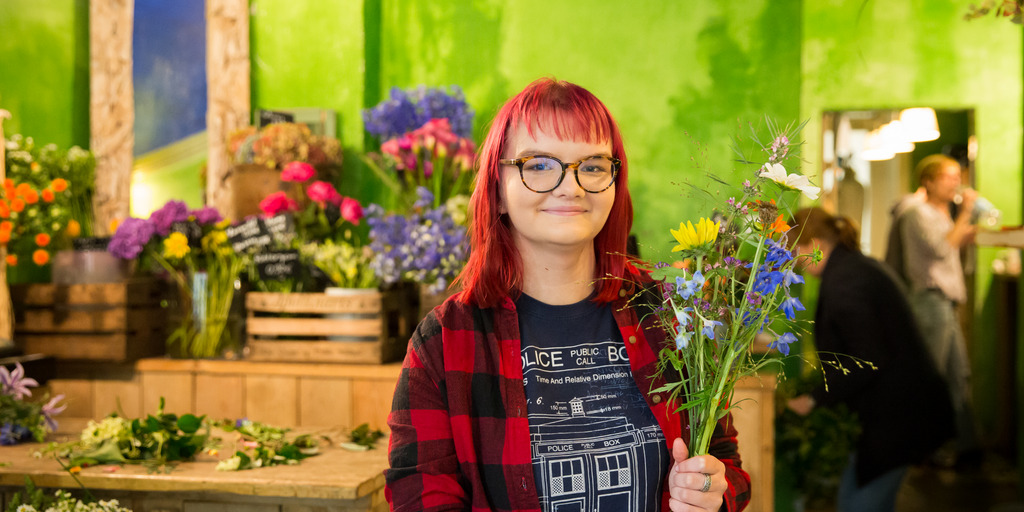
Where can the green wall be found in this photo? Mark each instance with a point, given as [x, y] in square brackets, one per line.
[880, 54]
[44, 69]
[671, 72]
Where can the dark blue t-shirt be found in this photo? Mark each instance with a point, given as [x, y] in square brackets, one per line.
[596, 445]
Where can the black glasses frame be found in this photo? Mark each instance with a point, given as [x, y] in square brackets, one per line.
[518, 162]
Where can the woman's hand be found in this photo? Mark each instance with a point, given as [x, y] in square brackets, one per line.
[696, 483]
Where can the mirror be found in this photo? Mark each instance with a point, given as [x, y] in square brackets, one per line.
[862, 174]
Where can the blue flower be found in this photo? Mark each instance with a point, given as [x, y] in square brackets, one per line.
[782, 343]
[767, 282]
[683, 317]
[687, 288]
[790, 278]
[683, 339]
[790, 306]
[709, 329]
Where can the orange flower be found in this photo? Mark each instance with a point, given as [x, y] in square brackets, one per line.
[34, 166]
[9, 183]
[22, 189]
[47, 195]
[17, 205]
[59, 185]
[779, 226]
[12, 260]
[74, 228]
[5, 236]
[6, 226]
[114, 223]
[42, 239]
[75, 469]
[40, 257]
[32, 197]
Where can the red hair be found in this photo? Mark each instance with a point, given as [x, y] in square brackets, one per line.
[495, 270]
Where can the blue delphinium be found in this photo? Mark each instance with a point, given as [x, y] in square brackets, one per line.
[407, 110]
[425, 247]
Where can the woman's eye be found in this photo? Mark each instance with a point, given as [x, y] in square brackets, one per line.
[539, 164]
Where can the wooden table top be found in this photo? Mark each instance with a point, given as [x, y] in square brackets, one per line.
[335, 473]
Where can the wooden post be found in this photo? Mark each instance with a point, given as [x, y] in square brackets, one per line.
[227, 106]
[6, 311]
[112, 108]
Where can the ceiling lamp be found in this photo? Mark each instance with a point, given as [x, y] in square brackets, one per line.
[875, 148]
[896, 137]
[920, 123]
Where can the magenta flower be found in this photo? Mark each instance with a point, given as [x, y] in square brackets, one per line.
[298, 172]
[323, 192]
[206, 215]
[276, 203]
[351, 210]
[166, 216]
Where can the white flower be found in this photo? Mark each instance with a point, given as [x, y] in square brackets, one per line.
[777, 173]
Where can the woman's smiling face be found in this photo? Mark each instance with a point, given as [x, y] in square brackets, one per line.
[564, 217]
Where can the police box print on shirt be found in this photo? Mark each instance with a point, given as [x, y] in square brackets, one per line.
[596, 445]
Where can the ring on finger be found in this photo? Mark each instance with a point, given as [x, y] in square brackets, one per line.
[707, 483]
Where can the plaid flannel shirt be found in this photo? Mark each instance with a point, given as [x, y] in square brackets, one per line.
[460, 439]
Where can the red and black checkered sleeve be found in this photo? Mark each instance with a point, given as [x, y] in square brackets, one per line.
[424, 469]
[724, 447]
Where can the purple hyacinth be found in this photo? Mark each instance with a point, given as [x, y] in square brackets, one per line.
[165, 217]
[407, 110]
[206, 215]
[131, 238]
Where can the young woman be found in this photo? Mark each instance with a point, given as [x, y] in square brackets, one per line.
[530, 389]
[862, 312]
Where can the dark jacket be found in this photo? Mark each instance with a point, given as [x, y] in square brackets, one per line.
[903, 404]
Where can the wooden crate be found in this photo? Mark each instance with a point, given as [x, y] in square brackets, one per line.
[315, 327]
[121, 321]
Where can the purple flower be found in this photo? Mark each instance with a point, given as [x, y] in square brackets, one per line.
[165, 217]
[15, 384]
[51, 409]
[407, 110]
[7, 435]
[130, 238]
[206, 215]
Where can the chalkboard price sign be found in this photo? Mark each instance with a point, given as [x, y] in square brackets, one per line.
[277, 265]
[281, 227]
[265, 117]
[251, 234]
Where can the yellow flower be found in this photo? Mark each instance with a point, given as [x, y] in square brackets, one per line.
[176, 246]
[690, 237]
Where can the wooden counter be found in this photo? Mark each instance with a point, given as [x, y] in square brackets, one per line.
[334, 480]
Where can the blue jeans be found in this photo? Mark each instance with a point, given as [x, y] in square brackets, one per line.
[878, 495]
[940, 325]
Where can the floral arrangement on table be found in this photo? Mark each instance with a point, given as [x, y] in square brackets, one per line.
[1012, 9]
[23, 420]
[425, 134]
[261, 445]
[33, 500]
[426, 246]
[192, 247]
[157, 441]
[278, 144]
[45, 201]
[328, 230]
[732, 283]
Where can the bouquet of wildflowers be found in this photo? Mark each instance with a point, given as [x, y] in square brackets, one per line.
[192, 247]
[277, 144]
[732, 284]
[426, 143]
[22, 420]
[427, 246]
[46, 199]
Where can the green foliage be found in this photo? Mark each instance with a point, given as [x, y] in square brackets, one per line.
[32, 499]
[813, 450]
[263, 445]
[156, 441]
[363, 436]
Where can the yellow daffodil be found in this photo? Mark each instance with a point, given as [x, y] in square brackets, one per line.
[176, 246]
[690, 237]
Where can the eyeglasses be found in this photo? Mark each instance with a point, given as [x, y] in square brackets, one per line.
[545, 173]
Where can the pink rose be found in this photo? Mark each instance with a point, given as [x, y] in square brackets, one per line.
[276, 203]
[297, 171]
[351, 210]
[323, 192]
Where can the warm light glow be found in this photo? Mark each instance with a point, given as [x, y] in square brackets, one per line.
[141, 202]
[895, 137]
[920, 123]
[875, 148]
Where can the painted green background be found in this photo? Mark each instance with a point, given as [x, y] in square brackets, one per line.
[680, 77]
